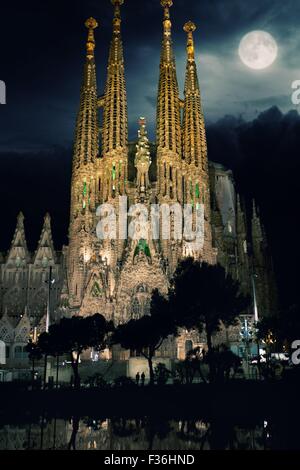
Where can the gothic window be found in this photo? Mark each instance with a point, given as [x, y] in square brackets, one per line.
[147, 307]
[23, 335]
[96, 290]
[14, 301]
[39, 302]
[5, 334]
[192, 193]
[183, 189]
[141, 288]
[114, 172]
[135, 309]
[20, 352]
[142, 246]
[84, 194]
[188, 346]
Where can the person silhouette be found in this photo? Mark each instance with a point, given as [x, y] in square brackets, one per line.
[137, 378]
[143, 379]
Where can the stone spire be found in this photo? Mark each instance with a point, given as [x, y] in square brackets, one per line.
[259, 244]
[18, 249]
[19, 235]
[45, 253]
[84, 189]
[196, 187]
[87, 133]
[115, 120]
[168, 133]
[168, 120]
[193, 132]
[242, 247]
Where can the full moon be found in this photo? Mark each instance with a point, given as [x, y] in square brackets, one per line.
[258, 50]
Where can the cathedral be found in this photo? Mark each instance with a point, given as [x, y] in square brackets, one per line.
[115, 276]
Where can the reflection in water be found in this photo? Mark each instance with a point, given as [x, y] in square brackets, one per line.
[134, 434]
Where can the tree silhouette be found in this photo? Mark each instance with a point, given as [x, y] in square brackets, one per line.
[74, 335]
[204, 297]
[34, 354]
[281, 328]
[147, 334]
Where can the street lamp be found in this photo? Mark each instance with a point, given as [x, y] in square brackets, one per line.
[254, 297]
[50, 282]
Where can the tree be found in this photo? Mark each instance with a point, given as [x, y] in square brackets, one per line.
[281, 328]
[51, 344]
[45, 343]
[186, 370]
[225, 362]
[161, 374]
[204, 297]
[74, 335]
[289, 325]
[147, 334]
[34, 354]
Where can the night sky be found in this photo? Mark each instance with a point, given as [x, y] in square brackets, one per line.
[252, 125]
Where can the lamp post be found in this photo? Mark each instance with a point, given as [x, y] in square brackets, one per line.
[247, 335]
[50, 281]
[256, 319]
[254, 297]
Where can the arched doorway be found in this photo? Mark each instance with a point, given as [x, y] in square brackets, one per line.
[188, 346]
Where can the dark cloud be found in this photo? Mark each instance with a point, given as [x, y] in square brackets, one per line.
[42, 58]
[264, 155]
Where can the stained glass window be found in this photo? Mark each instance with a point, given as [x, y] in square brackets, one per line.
[114, 172]
[84, 188]
[96, 290]
[142, 246]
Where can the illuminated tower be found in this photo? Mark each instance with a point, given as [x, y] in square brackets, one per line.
[83, 185]
[196, 190]
[168, 135]
[115, 120]
[114, 155]
[262, 268]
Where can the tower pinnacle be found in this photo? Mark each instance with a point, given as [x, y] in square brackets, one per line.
[194, 138]
[115, 123]
[91, 24]
[189, 28]
[117, 15]
[166, 4]
[168, 132]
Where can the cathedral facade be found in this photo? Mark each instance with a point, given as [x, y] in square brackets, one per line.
[115, 275]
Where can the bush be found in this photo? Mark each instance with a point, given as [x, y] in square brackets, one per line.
[161, 374]
[124, 381]
[96, 380]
